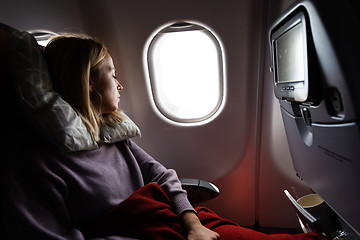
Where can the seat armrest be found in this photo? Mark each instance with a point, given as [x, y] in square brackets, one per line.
[199, 191]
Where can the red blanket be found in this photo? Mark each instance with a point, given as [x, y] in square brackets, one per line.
[147, 215]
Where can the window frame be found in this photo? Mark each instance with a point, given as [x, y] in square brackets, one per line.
[180, 26]
[42, 36]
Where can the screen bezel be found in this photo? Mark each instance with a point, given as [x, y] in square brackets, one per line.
[297, 91]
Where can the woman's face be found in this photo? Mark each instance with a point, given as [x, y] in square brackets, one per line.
[106, 84]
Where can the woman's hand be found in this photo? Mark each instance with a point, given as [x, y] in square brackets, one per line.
[194, 228]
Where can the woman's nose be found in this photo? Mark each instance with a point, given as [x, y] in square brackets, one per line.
[119, 87]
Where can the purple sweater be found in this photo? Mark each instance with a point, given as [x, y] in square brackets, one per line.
[50, 193]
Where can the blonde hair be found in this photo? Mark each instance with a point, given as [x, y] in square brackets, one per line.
[72, 59]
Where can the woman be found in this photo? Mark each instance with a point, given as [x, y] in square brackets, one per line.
[83, 73]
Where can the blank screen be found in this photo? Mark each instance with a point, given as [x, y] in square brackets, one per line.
[290, 56]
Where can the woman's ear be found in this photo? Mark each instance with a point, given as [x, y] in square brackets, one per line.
[93, 78]
[92, 82]
[91, 86]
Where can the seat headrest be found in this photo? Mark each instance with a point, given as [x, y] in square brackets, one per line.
[44, 108]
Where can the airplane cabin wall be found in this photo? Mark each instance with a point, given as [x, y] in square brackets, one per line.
[244, 150]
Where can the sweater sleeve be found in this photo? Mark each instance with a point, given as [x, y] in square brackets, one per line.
[153, 171]
[34, 204]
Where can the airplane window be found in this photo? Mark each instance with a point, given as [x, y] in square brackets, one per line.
[42, 36]
[186, 76]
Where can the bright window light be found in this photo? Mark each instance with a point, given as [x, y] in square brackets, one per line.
[186, 73]
[42, 36]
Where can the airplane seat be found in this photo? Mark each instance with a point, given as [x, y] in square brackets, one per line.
[34, 113]
[315, 53]
[8, 94]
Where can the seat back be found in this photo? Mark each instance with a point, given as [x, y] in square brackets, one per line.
[323, 130]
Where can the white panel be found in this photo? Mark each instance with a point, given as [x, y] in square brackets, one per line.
[222, 150]
[41, 14]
